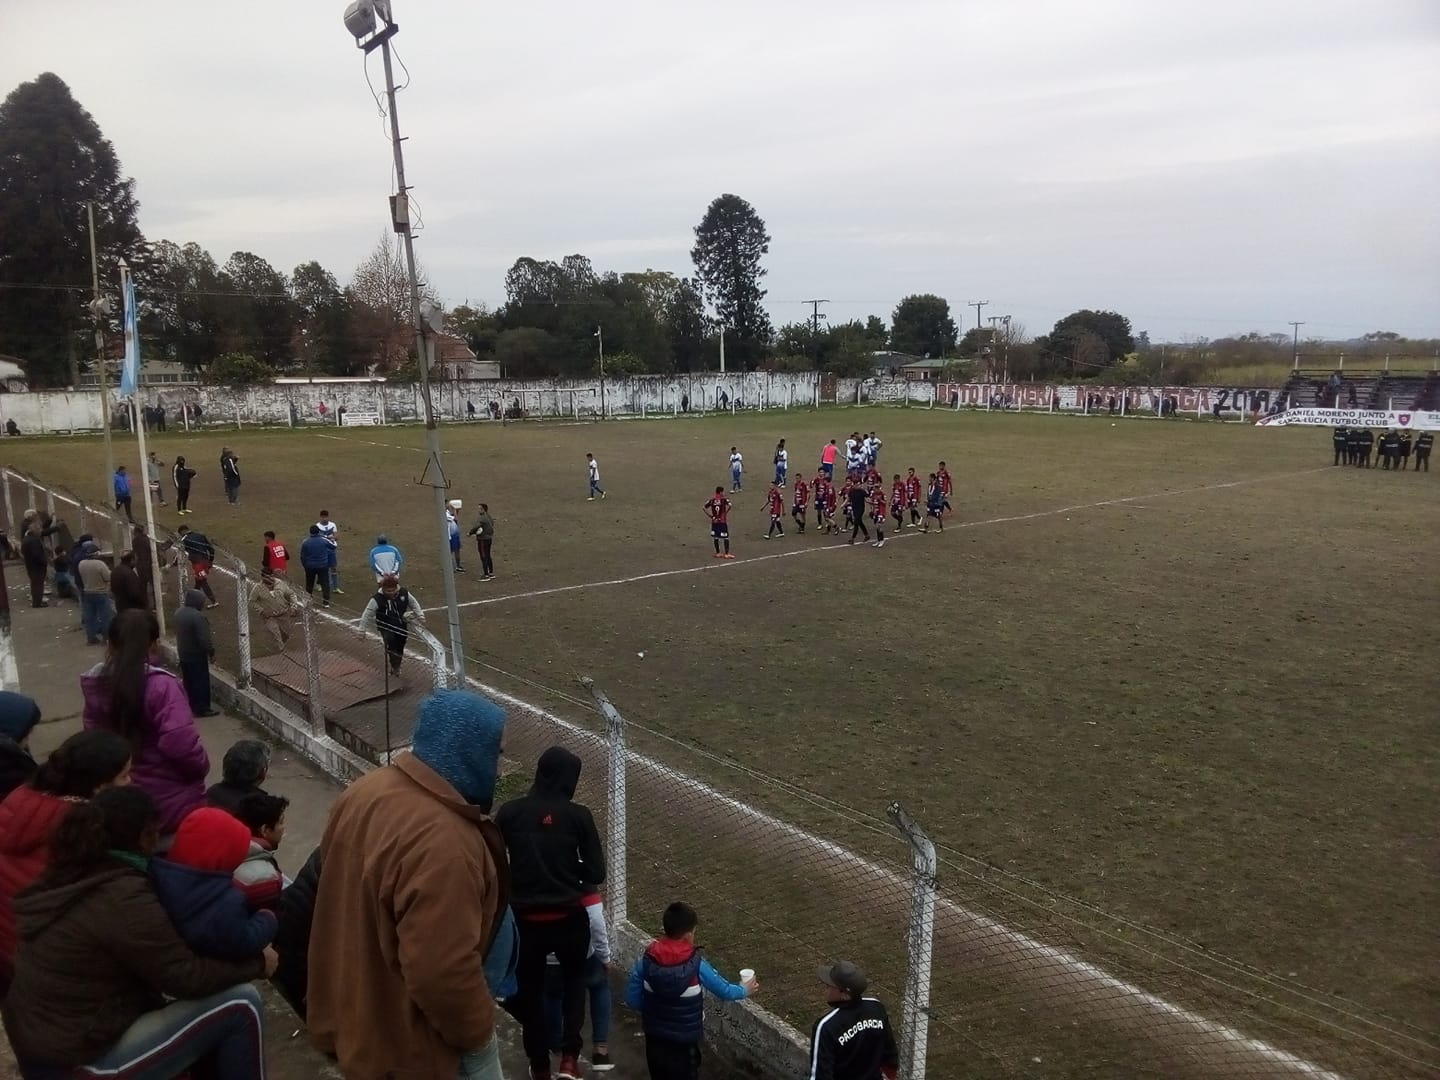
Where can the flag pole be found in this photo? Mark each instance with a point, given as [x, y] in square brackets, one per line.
[129, 386]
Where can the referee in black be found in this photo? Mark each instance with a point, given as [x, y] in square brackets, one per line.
[857, 497]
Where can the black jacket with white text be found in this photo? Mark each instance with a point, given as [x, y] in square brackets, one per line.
[854, 1041]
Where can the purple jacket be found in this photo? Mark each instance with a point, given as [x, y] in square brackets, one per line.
[171, 764]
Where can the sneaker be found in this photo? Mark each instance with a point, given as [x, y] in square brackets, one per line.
[213, 604]
[765, 537]
[460, 569]
[879, 543]
[718, 555]
[727, 555]
[324, 603]
[569, 1068]
[590, 499]
[337, 592]
[600, 1062]
[602, 494]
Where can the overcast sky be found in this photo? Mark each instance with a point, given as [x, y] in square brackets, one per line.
[1203, 168]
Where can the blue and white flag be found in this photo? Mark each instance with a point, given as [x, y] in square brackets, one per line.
[130, 372]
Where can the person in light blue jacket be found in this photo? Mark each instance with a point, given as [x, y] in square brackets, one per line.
[386, 558]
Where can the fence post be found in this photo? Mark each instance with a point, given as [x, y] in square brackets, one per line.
[11, 521]
[920, 939]
[616, 827]
[312, 670]
[50, 508]
[242, 624]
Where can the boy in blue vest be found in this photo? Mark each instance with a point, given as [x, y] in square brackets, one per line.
[667, 988]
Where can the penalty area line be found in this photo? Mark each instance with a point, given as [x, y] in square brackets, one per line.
[749, 560]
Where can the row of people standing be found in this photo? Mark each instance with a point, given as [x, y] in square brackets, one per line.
[1357, 446]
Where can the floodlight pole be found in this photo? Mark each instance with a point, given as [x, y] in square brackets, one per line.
[400, 213]
[97, 310]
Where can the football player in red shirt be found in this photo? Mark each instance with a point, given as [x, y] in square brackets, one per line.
[824, 493]
[912, 497]
[877, 513]
[801, 504]
[845, 503]
[943, 475]
[873, 479]
[718, 511]
[775, 503]
[897, 502]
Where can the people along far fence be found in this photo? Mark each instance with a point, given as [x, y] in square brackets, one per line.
[986, 972]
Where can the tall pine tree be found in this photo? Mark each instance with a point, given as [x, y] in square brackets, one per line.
[729, 242]
[53, 159]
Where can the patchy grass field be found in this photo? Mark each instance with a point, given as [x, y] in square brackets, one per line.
[1181, 671]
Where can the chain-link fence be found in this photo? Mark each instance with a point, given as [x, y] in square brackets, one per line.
[986, 973]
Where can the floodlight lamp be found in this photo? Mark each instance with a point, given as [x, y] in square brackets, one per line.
[433, 315]
[100, 307]
[360, 19]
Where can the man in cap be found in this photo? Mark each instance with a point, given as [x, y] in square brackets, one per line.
[275, 602]
[412, 905]
[96, 607]
[854, 1040]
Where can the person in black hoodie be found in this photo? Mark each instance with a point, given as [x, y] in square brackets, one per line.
[555, 860]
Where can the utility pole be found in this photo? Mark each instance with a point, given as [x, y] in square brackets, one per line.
[368, 39]
[977, 305]
[1295, 362]
[600, 337]
[996, 321]
[815, 315]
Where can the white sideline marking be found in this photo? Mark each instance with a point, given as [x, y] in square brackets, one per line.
[898, 536]
[372, 442]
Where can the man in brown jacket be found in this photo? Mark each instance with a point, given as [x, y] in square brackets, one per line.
[412, 895]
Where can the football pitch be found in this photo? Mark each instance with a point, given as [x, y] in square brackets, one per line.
[1181, 671]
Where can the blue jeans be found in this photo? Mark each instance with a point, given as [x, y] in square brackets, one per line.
[222, 1034]
[596, 489]
[482, 1064]
[597, 982]
[97, 609]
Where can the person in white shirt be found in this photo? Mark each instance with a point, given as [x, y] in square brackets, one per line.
[331, 532]
[737, 468]
[595, 488]
[782, 463]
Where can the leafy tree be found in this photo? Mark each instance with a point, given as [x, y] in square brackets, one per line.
[323, 312]
[477, 325]
[53, 159]
[238, 369]
[1073, 336]
[262, 316]
[729, 243]
[974, 341]
[685, 326]
[877, 331]
[184, 289]
[922, 326]
[622, 363]
[380, 292]
[525, 352]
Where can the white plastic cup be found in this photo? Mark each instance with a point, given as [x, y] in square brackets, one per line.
[746, 975]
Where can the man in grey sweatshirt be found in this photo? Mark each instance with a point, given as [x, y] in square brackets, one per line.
[195, 647]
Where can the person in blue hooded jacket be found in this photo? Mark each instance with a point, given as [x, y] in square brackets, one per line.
[194, 881]
[386, 558]
[315, 555]
[667, 986]
[122, 492]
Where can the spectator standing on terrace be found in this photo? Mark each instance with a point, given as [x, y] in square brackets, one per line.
[97, 608]
[146, 705]
[195, 649]
[125, 585]
[667, 987]
[556, 861]
[99, 956]
[854, 1040]
[412, 904]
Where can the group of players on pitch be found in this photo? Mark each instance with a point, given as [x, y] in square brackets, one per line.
[862, 490]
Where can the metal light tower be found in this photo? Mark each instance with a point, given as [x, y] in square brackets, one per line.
[360, 20]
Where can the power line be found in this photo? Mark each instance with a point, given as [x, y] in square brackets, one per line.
[815, 315]
[977, 305]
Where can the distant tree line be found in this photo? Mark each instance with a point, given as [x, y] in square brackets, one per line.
[244, 320]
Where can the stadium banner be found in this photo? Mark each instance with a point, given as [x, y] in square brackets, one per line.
[1412, 420]
[1192, 400]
